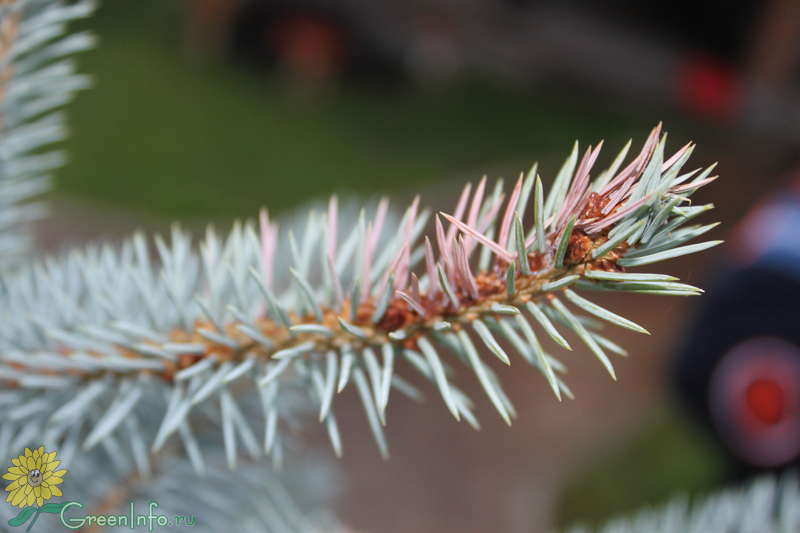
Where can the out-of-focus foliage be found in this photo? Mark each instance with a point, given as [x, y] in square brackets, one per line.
[765, 505]
[37, 77]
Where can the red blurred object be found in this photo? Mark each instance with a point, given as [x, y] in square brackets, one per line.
[765, 399]
[708, 87]
[309, 46]
[754, 398]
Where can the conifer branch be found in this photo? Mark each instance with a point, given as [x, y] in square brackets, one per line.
[271, 314]
[37, 76]
[766, 504]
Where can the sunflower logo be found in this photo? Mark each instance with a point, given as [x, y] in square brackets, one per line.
[34, 480]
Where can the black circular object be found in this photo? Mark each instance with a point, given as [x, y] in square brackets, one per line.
[738, 371]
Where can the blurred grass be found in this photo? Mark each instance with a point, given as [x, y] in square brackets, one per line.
[169, 135]
[665, 458]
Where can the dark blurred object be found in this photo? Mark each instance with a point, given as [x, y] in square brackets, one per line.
[304, 39]
[428, 40]
[738, 372]
[708, 87]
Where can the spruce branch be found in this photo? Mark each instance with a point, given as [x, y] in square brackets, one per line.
[766, 504]
[92, 336]
[37, 77]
